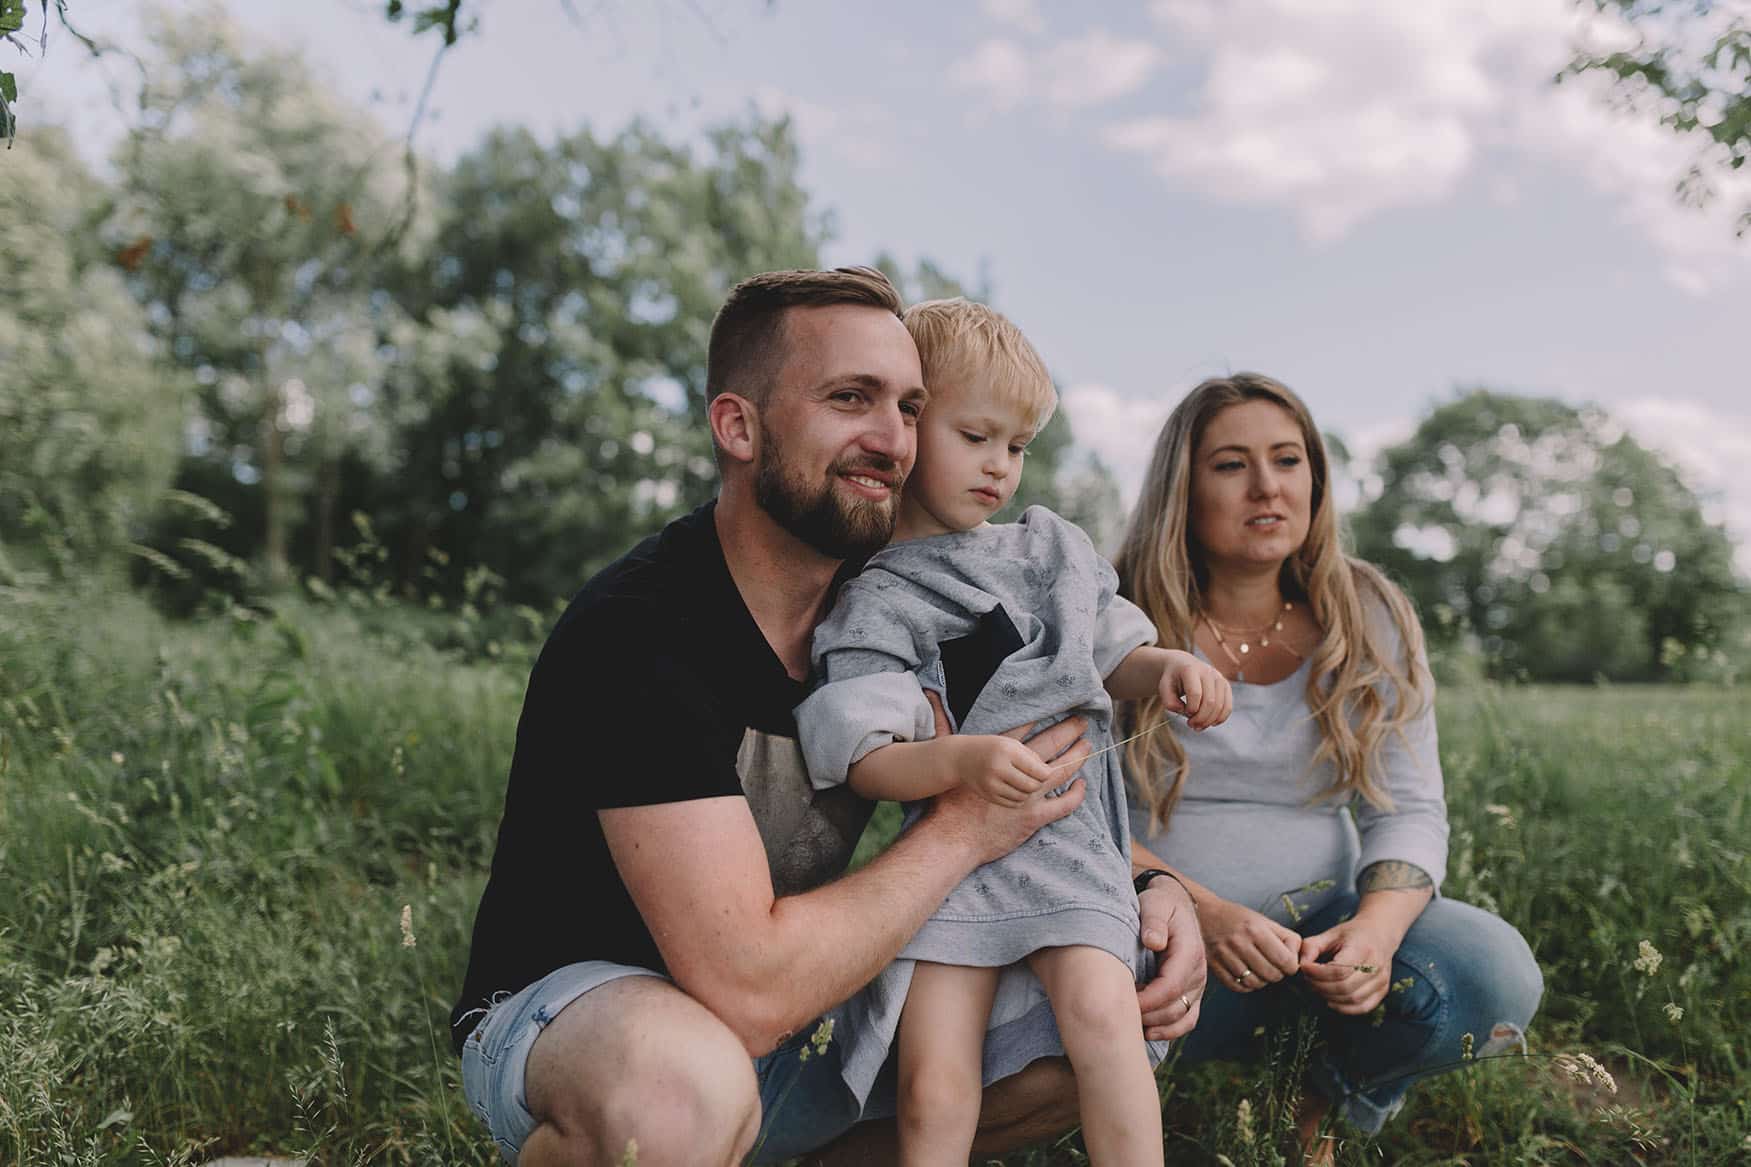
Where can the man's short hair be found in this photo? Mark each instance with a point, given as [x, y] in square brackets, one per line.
[747, 338]
[963, 345]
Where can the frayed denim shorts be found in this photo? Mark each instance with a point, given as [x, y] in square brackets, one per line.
[804, 1103]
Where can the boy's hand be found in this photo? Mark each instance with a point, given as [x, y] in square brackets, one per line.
[1001, 769]
[1198, 690]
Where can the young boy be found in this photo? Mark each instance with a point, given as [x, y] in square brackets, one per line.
[1062, 904]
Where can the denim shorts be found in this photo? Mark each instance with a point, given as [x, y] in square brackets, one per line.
[804, 1103]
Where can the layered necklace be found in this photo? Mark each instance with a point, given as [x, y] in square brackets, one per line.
[1246, 638]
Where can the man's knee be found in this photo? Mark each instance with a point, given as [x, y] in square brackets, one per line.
[650, 1066]
[1038, 1103]
[691, 1111]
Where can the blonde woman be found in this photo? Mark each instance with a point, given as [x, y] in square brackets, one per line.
[1306, 911]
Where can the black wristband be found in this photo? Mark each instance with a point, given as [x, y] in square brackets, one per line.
[1140, 882]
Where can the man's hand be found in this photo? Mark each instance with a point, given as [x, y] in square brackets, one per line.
[1196, 689]
[1247, 950]
[1171, 1001]
[1350, 965]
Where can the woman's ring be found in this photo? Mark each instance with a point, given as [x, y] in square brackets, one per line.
[1186, 1001]
[1243, 974]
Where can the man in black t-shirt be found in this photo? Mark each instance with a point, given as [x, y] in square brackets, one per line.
[666, 917]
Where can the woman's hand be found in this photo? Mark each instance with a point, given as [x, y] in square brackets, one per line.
[1246, 949]
[1349, 965]
[1197, 690]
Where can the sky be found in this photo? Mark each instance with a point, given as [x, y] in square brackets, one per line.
[1378, 203]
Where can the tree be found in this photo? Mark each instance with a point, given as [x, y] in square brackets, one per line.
[89, 416]
[246, 197]
[586, 274]
[1693, 74]
[1549, 538]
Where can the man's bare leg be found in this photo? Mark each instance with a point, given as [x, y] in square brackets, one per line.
[1037, 1104]
[1095, 1001]
[941, 1050]
[639, 1060]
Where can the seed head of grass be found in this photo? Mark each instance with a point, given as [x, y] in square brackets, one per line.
[1583, 1068]
[818, 1040]
[1243, 1121]
[407, 926]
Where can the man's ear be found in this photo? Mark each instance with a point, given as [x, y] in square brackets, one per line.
[735, 426]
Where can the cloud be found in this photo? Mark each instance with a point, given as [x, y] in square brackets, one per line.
[1120, 429]
[1089, 70]
[997, 68]
[1338, 110]
[862, 134]
[1022, 15]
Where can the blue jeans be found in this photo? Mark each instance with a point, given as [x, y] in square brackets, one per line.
[1469, 972]
[804, 1104]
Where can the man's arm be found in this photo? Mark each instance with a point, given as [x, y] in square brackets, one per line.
[697, 872]
[1169, 915]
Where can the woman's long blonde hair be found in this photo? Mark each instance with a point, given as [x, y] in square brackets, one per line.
[1358, 693]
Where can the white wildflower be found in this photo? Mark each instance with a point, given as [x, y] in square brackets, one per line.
[1674, 1012]
[407, 925]
[1243, 1121]
[1648, 959]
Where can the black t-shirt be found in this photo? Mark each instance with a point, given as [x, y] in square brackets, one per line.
[655, 686]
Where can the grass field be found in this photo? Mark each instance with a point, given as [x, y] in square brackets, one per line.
[208, 833]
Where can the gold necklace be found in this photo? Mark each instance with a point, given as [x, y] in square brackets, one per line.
[1264, 634]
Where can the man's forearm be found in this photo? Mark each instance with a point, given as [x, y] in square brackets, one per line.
[818, 948]
[1142, 859]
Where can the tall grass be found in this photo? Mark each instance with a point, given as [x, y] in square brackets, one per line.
[208, 832]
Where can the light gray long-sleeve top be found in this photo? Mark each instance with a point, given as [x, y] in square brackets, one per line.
[1252, 824]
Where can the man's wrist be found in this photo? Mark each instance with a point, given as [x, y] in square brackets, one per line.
[1142, 880]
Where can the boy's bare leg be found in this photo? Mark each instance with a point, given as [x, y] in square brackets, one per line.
[638, 1059]
[942, 1046]
[1095, 1001]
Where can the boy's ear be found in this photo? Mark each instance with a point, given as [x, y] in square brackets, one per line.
[735, 426]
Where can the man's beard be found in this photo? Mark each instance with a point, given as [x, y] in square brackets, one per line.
[837, 527]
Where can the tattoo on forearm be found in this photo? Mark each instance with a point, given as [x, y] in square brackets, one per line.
[1393, 875]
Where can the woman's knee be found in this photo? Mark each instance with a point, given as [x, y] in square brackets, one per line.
[1484, 958]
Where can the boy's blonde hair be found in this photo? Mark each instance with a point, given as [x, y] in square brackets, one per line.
[964, 345]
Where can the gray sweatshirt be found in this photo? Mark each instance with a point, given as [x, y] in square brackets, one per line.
[875, 656]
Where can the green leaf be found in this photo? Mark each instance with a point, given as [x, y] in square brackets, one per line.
[8, 86]
[11, 16]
